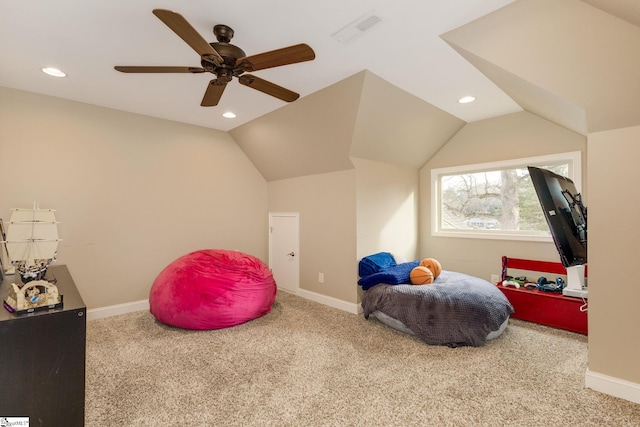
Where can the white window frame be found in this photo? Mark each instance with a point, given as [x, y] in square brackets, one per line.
[573, 158]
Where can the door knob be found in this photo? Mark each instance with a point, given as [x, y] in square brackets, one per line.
[291, 254]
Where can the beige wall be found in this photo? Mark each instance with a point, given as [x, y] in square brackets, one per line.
[327, 207]
[132, 192]
[614, 291]
[387, 209]
[511, 136]
[347, 215]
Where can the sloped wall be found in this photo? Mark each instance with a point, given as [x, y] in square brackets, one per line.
[362, 116]
[308, 137]
[580, 54]
[395, 127]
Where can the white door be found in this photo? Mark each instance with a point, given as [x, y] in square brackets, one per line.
[284, 246]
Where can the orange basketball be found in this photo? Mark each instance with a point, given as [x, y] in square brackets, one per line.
[421, 276]
[433, 265]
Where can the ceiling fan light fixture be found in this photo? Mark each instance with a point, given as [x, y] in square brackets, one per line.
[229, 115]
[53, 72]
[466, 99]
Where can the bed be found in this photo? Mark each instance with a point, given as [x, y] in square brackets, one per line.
[455, 310]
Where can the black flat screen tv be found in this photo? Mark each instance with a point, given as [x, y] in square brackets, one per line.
[565, 214]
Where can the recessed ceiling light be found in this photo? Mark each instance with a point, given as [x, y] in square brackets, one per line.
[466, 99]
[53, 72]
[229, 115]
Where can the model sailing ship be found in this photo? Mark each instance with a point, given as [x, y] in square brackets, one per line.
[32, 245]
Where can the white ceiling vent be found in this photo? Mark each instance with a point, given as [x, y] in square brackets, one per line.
[357, 28]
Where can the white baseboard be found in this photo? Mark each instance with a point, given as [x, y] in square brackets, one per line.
[114, 310]
[613, 386]
[330, 301]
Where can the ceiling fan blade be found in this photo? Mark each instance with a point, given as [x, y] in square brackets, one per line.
[186, 32]
[213, 93]
[269, 88]
[275, 58]
[154, 69]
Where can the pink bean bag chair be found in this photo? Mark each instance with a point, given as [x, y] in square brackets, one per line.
[212, 289]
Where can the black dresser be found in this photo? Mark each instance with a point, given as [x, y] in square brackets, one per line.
[42, 358]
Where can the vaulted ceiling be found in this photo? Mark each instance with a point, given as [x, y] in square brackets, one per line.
[389, 95]
[362, 116]
[86, 39]
[564, 60]
[567, 61]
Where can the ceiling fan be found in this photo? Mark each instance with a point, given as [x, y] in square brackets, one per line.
[226, 61]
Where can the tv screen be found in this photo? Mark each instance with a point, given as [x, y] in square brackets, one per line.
[565, 214]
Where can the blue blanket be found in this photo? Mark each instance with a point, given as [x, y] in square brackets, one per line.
[393, 275]
[375, 263]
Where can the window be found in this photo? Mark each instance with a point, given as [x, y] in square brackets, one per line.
[495, 200]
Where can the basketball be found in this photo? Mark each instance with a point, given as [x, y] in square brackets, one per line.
[421, 276]
[433, 265]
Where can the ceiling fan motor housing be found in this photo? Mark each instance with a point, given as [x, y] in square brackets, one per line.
[229, 53]
[227, 69]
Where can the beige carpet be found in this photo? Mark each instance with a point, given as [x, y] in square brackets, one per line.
[306, 364]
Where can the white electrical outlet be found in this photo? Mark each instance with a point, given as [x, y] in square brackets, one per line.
[495, 278]
[320, 277]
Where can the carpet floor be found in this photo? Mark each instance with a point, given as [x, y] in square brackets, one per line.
[306, 364]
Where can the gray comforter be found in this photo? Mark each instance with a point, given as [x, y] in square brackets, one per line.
[455, 310]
